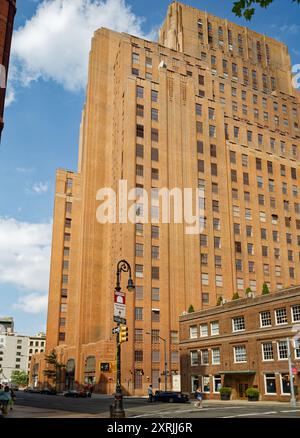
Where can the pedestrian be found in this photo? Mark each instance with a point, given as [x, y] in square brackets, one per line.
[198, 397]
[12, 399]
[150, 394]
[4, 399]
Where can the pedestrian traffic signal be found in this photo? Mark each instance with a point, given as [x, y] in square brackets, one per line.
[123, 335]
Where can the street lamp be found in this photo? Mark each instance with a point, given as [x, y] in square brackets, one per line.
[116, 409]
[165, 355]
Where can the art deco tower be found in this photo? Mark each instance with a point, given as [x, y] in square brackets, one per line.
[211, 105]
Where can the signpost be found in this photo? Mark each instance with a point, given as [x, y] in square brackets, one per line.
[119, 304]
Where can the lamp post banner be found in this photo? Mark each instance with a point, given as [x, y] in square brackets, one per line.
[119, 304]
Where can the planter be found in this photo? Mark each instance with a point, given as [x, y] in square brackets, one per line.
[253, 398]
[225, 396]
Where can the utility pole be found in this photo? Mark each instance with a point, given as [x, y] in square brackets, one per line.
[293, 399]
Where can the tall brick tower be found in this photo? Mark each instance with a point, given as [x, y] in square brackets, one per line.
[210, 106]
[7, 15]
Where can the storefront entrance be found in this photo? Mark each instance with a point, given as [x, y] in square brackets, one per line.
[242, 387]
[239, 382]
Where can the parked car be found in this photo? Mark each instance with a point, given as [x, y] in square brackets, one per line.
[77, 394]
[32, 390]
[171, 397]
[48, 391]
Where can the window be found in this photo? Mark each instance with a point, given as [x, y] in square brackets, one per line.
[155, 252]
[139, 250]
[213, 150]
[212, 131]
[139, 92]
[239, 265]
[232, 157]
[204, 279]
[246, 178]
[139, 229]
[214, 328]
[63, 307]
[285, 384]
[297, 349]
[155, 356]
[219, 280]
[216, 356]
[69, 183]
[194, 358]
[139, 292]
[217, 242]
[262, 216]
[155, 272]
[139, 152]
[204, 357]
[270, 384]
[248, 214]
[139, 271]
[218, 262]
[214, 169]
[154, 134]
[140, 110]
[203, 330]
[205, 298]
[237, 228]
[154, 174]
[174, 337]
[138, 312]
[233, 175]
[204, 259]
[281, 316]
[154, 96]
[249, 230]
[296, 313]
[238, 324]
[64, 293]
[238, 247]
[68, 223]
[139, 170]
[154, 232]
[203, 240]
[282, 348]
[265, 319]
[140, 131]
[211, 113]
[154, 114]
[264, 250]
[267, 351]
[155, 294]
[240, 283]
[240, 354]
[200, 165]
[217, 383]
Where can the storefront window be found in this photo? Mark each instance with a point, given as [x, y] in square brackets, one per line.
[217, 383]
[285, 384]
[270, 382]
[205, 384]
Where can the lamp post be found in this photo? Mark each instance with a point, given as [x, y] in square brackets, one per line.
[117, 409]
[293, 399]
[165, 357]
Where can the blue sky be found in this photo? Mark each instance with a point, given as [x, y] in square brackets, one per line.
[45, 96]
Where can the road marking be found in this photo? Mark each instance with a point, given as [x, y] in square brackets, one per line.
[292, 410]
[251, 414]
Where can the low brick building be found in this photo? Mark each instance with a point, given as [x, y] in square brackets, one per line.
[241, 344]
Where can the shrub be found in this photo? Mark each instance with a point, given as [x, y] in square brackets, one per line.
[265, 289]
[220, 301]
[191, 309]
[225, 390]
[248, 290]
[235, 296]
[252, 392]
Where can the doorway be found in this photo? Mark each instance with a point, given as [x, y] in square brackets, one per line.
[242, 388]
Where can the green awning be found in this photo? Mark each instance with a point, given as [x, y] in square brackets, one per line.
[238, 372]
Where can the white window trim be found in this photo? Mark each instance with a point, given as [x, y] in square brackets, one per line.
[265, 382]
[295, 351]
[278, 355]
[202, 381]
[212, 356]
[264, 326]
[215, 392]
[288, 394]
[292, 315]
[279, 323]
[194, 337]
[239, 330]
[197, 364]
[234, 352]
[262, 352]
[201, 335]
[211, 330]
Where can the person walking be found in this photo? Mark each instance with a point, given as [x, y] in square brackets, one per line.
[5, 398]
[12, 399]
[150, 394]
[199, 398]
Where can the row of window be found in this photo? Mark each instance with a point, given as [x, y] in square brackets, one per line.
[213, 356]
[156, 356]
[238, 322]
[270, 383]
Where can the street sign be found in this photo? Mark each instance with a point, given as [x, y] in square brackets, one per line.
[105, 367]
[115, 330]
[119, 304]
[119, 320]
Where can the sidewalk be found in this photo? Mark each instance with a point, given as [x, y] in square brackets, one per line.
[32, 412]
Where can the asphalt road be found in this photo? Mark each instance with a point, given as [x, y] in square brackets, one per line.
[139, 408]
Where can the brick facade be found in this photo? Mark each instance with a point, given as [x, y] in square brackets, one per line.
[241, 344]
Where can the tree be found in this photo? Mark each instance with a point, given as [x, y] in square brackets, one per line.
[246, 8]
[248, 290]
[220, 301]
[19, 377]
[235, 296]
[54, 367]
[265, 289]
[191, 309]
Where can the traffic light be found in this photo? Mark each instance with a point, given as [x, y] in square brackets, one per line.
[123, 335]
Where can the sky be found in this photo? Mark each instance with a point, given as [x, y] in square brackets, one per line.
[45, 96]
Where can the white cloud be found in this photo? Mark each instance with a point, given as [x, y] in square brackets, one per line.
[40, 188]
[25, 169]
[25, 254]
[54, 44]
[32, 303]
[292, 29]
[10, 97]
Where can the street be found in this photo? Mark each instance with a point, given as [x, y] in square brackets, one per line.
[45, 406]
